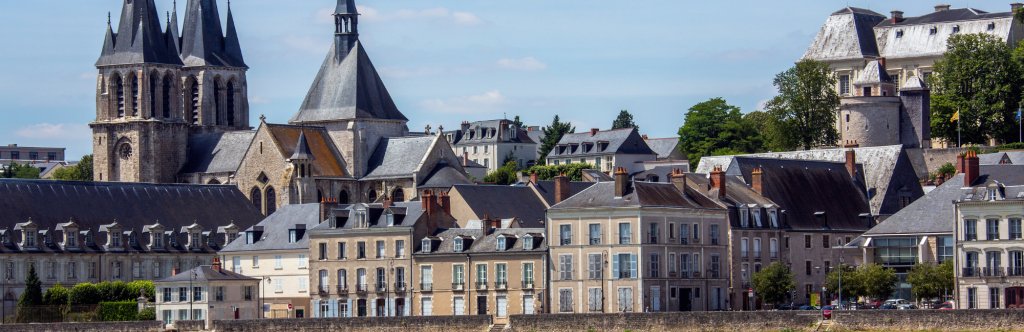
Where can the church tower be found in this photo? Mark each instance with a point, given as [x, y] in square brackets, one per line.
[349, 98]
[139, 134]
[155, 88]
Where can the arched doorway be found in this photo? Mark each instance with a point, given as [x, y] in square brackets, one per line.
[343, 197]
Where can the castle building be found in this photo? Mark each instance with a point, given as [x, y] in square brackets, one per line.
[174, 109]
[492, 143]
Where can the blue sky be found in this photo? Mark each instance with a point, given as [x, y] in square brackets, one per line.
[445, 61]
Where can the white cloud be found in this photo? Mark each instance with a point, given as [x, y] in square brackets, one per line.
[52, 131]
[439, 14]
[525, 64]
[487, 102]
[307, 45]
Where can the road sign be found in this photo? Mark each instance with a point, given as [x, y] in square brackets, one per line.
[290, 306]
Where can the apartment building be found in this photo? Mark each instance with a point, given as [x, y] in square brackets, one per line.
[361, 258]
[628, 246]
[208, 293]
[12, 153]
[606, 150]
[491, 143]
[486, 268]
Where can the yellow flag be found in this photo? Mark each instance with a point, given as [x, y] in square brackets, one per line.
[956, 117]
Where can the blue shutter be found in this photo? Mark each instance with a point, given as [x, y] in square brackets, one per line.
[373, 308]
[316, 308]
[333, 309]
[615, 266]
[632, 266]
[349, 310]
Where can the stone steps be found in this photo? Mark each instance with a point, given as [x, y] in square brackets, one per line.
[497, 328]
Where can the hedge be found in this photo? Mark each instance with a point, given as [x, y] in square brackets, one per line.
[86, 293]
[119, 311]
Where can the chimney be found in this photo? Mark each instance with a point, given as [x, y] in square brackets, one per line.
[971, 168]
[851, 157]
[485, 226]
[445, 201]
[465, 159]
[562, 191]
[755, 180]
[533, 177]
[325, 209]
[881, 62]
[897, 16]
[941, 7]
[427, 201]
[593, 131]
[960, 162]
[679, 180]
[388, 202]
[822, 218]
[216, 264]
[645, 137]
[1014, 7]
[174, 271]
[621, 181]
[718, 181]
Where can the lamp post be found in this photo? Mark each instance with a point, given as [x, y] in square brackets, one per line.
[263, 292]
[192, 296]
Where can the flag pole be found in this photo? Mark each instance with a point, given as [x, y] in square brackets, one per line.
[959, 140]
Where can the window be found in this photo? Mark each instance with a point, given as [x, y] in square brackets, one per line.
[773, 217]
[825, 241]
[426, 245]
[744, 217]
[652, 234]
[743, 248]
[458, 274]
[528, 242]
[528, 274]
[970, 230]
[278, 285]
[993, 263]
[956, 29]
[807, 267]
[972, 298]
[714, 234]
[1016, 263]
[744, 270]
[655, 268]
[278, 262]
[501, 274]
[757, 217]
[303, 262]
[481, 274]
[458, 244]
[992, 229]
[594, 266]
[341, 250]
[896, 251]
[182, 294]
[380, 250]
[625, 234]
[684, 265]
[715, 266]
[945, 248]
[565, 232]
[844, 85]
[197, 293]
[361, 250]
[624, 266]
[501, 243]
[671, 230]
[991, 26]
[427, 306]
[595, 234]
[565, 300]
[625, 299]
[323, 251]
[807, 241]
[595, 300]
[933, 31]
[219, 294]
[993, 298]
[1015, 231]
[293, 236]
[696, 233]
[757, 247]
[399, 248]
[773, 247]
[684, 233]
[167, 294]
[565, 267]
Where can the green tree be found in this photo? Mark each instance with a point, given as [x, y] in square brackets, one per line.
[552, 134]
[849, 278]
[19, 171]
[879, 282]
[624, 120]
[504, 175]
[979, 76]
[85, 293]
[773, 283]
[929, 281]
[714, 127]
[57, 295]
[82, 171]
[33, 295]
[547, 172]
[804, 111]
[946, 169]
[518, 123]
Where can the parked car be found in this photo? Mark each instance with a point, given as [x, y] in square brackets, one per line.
[901, 304]
[826, 312]
[786, 307]
[887, 306]
[946, 306]
[807, 307]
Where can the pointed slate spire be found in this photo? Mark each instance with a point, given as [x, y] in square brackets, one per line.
[138, 38]
[346, 28]
[302, 151]
[108, 40]
[202, 39]
[232, 47]
[173, 35]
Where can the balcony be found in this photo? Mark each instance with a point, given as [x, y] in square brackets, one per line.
[992, 272]
[595, 241]
[684, 274]
[342, 289]
[528, 284]
[426, 287]
[1015, 271]
[683, 240]
[481, 285]
[500, 285]
[969, 272]
[400, 287]
[652, 238]
[757, 254]
[714, 241]
[565, 241]
[744, 254]
[362, 288]
[381, 287]
[458, 286]
[323, 290]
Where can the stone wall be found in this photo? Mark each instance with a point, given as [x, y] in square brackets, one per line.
[370, 324]
[150, 326]
[936, 320]
[676, 321]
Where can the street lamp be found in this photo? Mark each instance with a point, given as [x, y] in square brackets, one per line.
[263, 292]
[193, 276]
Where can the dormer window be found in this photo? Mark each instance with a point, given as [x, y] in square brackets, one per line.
[899, 33]
[30, 238]
[194, 239]
[293, 235]
[501, 243]
[933, 31]
[249, 239]
[528, 242]
[390, 216]
[956, 29]
[157, 241]
[458, 244]
[71, 239]
[744, 217]
[132, 239]
[773, 217]
[115, 239]
[757, 217]
[991, 26]
[426, 245]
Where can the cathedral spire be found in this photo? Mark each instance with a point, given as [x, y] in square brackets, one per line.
[138, 38]
[346, 28]
[172, 33]
[202, 39]
[232, 47]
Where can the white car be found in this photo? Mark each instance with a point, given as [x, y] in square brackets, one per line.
[901, 304]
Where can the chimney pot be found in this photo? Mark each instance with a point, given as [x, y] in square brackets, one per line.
[718, 180]
[679, 180]
[971, 168]
[755, 180]
[941, 7]
[593, 131]
[851, 161]
[897, 16]
[621, 181]
[562, 192]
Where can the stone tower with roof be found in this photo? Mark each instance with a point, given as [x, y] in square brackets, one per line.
[155, 88]
[349, 98]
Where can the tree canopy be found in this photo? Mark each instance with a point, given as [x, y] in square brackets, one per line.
[870, 280]
[803, 114]
[546, 172]
[504, 175]
[552, 134]
[82, 171]
[773, 282]
[928, 281]
[19, 171]
[979, 77]
[624, 120]
[33, 294]
[714, 127]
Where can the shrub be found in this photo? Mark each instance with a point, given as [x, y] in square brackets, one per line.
[57, 296]
[573, 171]
[135, 288]
[85, 293]
[118, 311]
[147, 314]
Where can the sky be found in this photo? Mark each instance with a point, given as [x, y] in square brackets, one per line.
[446, 61]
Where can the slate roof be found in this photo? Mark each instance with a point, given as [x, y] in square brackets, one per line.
[846, 34]
[928, 215]
[217, 152]
[619, 141]
[641, 194]
[886, 171]
[950, 15]
[504, 202]
[1011, 175]
[406, 215]
[207, 273]
[803, 188]
[487, 132]
[326, 162]
[873, 73]
[138, 39]
[927, 35]
[276, 227]
[203, 43]
[476, 243]
[398, 156]
[664, 147]
[347, 89]
[546, 189]
[444, 176]
[993, 158]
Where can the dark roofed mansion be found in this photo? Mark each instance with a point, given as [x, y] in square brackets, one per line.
[173, 108]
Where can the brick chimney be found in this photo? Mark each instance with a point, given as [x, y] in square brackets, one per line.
[387, 202]
[881, 62]
[960, 162]
[755, 180]
[562, 191]
[427, 201]
[465, 159]
[445, 202]
[897, 16]
[216, 264]
[678, 180]
[594, 131]
[621, 181]
[941, 7]
[533, 177]
[971, 168]
[325, 208]
[718, 181]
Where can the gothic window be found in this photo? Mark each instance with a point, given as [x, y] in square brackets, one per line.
[218, 88]
[343, 197]
[213, 181]
[154, 80]
[119, 90]
[271, 200]
[125, 151]
[371, 196]
[168, 85]
[193, 94]
[136, 96]
[257, 198]
[398, 195]
[231, 103]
